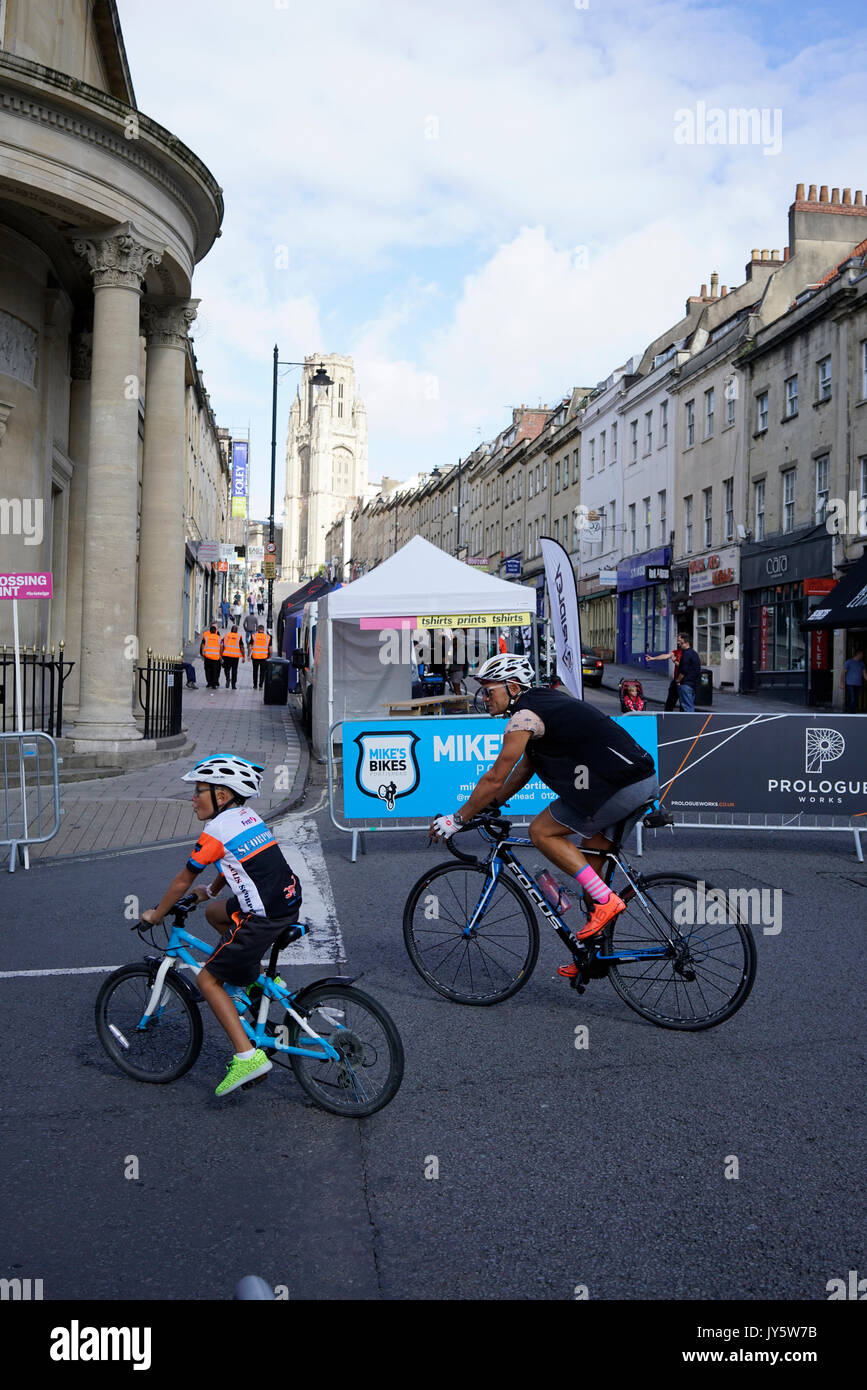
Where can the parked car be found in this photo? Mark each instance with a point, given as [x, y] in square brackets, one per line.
[592, 666]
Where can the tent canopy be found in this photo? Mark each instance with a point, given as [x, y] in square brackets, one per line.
[421, 580]
[846, 604]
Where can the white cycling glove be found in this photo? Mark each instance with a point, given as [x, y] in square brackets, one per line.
[445, 826]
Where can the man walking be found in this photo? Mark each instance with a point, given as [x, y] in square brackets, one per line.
[688, 674]
[210, 652]
[232, 651]
[250, 625]
[224, 611]
[260, 650]
[852, 676]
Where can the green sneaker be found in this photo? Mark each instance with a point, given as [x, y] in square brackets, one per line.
[254, 991]
[241, 1070]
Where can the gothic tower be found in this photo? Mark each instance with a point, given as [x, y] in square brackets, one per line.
[326, 461]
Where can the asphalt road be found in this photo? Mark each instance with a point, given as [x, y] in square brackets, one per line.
[557, 1167]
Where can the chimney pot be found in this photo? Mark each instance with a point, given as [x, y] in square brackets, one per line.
[835, 195]
[811, 197]
[785, 253]
[714, 285]
[847, 197]
[775, 255]
[823, 193]
[799, 193]
[703, 292]
[764, 253]
[723, 292]
[859, 198]
[754, 254]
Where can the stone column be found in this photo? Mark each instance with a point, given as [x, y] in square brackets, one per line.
[161, 544]
[79, 426]
[119, 261]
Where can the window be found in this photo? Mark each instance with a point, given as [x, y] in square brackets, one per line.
[591, 458]
[612, 513]
[648, 431]
[520, 476]
[632, 526]
[601, 541]
[556, 530]
[633, 429]
[545, 474]
[759, 510]
[538, 488]
[601, 451]
[729, 509]
[663, 423]
[340, 400]
[708, 412]
[864, 370]
[575, 466]
[645, 507]
[821, 489]
[707, 494]
[660, 497]
[530, 484]
[823, 385]
[519, 525]
[687, 525]
[761, 412]
[556, 477]
[788, 499]
[730, 403]
[690, 424]
[791, 396]
[614, 426]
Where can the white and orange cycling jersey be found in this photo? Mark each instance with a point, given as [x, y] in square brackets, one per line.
[250, 860]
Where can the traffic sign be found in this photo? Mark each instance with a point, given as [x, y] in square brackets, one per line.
[270, 568]
[270, 547]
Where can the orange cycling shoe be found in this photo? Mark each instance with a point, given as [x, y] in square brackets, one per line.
[596, 922]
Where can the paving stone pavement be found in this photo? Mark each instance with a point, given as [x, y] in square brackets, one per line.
[153, 805]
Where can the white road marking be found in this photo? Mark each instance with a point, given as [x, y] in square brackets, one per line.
[71, 970]
[302, 847]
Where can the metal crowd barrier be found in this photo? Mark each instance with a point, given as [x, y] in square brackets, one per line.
[770, 820]
[22, 823]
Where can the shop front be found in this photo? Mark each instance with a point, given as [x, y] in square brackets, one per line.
[781, 584]
[644, 606]
[714, 597]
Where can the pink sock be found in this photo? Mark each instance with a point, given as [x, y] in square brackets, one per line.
[592, 884]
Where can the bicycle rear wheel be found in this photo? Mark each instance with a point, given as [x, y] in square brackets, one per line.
[370, 1069]
[171, 1040]
[710, 967]
[490, 965]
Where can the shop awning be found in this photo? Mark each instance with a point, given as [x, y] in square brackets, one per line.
[846, 604]
[600, 593]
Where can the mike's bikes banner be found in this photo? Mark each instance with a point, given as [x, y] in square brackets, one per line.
[413, 768]
[788, 763]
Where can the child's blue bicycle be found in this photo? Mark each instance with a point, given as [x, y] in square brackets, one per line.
[342, 1046]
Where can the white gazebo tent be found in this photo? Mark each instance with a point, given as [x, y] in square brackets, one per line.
[355, 674]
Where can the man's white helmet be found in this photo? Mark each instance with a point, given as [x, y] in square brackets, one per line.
[507, 667]
[228, 770]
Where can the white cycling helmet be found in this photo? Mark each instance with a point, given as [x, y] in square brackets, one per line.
[507, 667]
[228, 770]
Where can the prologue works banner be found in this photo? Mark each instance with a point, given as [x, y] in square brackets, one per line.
[565, 620]
[813, 763]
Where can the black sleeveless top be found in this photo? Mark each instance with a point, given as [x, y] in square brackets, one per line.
[583, 755]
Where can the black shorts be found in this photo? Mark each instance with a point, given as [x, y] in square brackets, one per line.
[627, 802]
[237, 957]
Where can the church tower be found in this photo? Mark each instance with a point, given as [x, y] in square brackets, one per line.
[326, 461]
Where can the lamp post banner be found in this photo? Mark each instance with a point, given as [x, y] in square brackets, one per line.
[412, 768]
[239, 477]
[563, 604]
[815, 764]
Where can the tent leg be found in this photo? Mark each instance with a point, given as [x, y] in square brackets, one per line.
[858, 850]
[639, 840]
[354, 847]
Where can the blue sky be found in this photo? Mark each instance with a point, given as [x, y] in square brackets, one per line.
[483, 204]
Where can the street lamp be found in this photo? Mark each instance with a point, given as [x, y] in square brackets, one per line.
[320, 378]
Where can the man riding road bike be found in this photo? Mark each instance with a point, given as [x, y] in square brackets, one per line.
[599, 773]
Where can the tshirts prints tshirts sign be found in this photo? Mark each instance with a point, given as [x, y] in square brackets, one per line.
[424, 767]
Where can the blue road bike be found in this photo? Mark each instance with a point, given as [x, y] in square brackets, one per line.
[471, 933]
[342, 1046]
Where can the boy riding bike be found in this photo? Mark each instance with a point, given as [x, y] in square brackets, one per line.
[265, 900]
[599, 773]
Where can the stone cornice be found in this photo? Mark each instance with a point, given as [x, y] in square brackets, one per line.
[118, 260]
[54, 98]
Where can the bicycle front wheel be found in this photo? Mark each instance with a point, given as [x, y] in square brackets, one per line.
[495, 960]
[370, 1068]
[709, 968]
[169, 1043]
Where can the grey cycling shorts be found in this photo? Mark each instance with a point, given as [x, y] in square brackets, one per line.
[628, 802]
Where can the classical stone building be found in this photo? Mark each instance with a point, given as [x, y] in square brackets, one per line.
[326, 461]
[103, 217]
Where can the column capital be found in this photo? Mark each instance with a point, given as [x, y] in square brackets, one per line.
[167, 322]
[81, 356]
[117, 256]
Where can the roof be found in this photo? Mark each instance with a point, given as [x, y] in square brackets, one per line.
[419, 579]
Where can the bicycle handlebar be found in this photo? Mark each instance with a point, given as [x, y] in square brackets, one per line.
[486, 821]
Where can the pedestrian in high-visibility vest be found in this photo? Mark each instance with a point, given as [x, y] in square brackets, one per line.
[210, 652]
[232, 651]
[259, 653]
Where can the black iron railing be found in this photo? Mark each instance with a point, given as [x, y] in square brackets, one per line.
[42, 678]
[160, 694]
